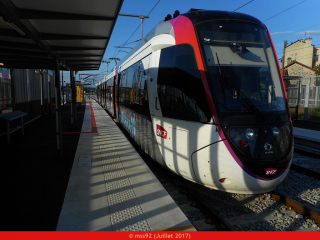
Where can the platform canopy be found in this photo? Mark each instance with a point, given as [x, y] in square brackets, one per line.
[33, 33]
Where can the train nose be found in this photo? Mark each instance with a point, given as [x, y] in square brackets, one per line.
[215, 167]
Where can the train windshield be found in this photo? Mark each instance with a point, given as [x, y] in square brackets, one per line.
[242, 68]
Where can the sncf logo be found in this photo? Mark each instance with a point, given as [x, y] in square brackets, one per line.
[161, 132]
[271, 171]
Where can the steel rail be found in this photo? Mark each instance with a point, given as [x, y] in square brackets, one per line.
[306, 171]
[297, 207]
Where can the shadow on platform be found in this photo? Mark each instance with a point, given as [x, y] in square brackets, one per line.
[33, 177]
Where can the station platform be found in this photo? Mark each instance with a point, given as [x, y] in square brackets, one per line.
[111, 188]
[307, 140]
[307, 134]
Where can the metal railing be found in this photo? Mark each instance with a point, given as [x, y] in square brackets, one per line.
[304, 97]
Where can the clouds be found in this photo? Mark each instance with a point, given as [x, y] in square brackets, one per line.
[305, 33]
[311, 33]
[278, 33]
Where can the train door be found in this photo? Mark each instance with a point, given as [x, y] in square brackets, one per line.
[117, 105]
[115, 99]
[114, 96]
[104, 94]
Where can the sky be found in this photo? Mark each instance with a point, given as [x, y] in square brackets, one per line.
[288, 20]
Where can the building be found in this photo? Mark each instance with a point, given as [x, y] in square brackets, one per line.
[302, 51]
[302, 84]
[296, 68]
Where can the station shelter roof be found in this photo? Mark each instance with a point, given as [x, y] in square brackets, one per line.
[33, 34]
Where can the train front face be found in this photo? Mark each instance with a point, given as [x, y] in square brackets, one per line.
[248, 95]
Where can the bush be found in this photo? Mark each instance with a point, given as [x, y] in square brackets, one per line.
[314, 114]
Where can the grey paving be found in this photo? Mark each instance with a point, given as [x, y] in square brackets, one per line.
[112, 189]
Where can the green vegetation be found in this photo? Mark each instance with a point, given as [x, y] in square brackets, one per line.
[317, 70]
[314, 114]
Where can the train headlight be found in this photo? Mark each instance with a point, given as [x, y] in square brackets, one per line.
[249, 134]
[245, 139]
[275, 131]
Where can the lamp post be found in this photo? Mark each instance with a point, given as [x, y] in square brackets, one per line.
[115, 59]
[107, 62]
[138, 16]
[122, 51]
[122, 47]
[86, 84]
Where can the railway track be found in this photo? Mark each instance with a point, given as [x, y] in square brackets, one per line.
[274, 211]
[211, 210]
[305, 170]
[265, 212]
[307, 145]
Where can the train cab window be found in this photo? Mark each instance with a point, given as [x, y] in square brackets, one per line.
[242, 69]
[180, 89]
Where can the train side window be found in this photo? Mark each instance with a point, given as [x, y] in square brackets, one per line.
[122, 88]
[105, 91]
[108, 91]
[128, 93]
[134, 94]
[143, 92]
[180, 89]
[165, 78]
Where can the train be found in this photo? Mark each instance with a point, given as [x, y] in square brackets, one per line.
[202, 93]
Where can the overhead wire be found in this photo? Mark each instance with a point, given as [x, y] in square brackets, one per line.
[137, 28]
[296, 31]
[305, 56]
[243, 5]
[290, 32]
[302, 47]
[126, 43]
[285, 10]
[302, 56]
[116, 51]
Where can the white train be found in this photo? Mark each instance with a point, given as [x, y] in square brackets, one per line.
[203, 95]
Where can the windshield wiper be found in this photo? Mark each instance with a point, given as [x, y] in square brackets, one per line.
[244, 98]
[221, 81]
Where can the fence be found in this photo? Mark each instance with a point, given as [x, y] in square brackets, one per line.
[28, 90]
[304, 97]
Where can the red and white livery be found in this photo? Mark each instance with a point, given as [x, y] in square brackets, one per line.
[202, 93]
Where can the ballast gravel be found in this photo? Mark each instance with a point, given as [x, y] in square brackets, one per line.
[265, 213]
[309, 162]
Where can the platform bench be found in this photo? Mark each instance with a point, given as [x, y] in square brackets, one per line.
[8, 117]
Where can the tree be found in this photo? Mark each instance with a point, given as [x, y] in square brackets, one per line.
[317, 70]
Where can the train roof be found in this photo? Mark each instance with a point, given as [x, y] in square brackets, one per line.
[163, 27]
[196, 16]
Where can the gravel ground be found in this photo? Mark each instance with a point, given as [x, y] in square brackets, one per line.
[312, 163]
[267, 214]
[302, 188]
[260, 213]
